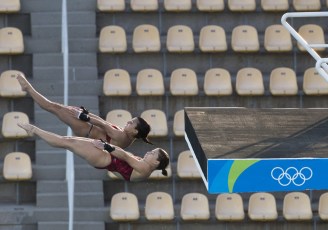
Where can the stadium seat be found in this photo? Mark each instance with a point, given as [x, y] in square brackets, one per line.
[146, 38]
[118, 117]
[11, 41]
[159, 207]
[244, 38]
[262, 207]
[181, 5]
[194, 206]
[178, 123]
[297, 206]
[157, 174]
[10, 129]
[212, 38]
[307, 5]
[323, 206]
[9, 85]
[283, 82]
[124, 207]
[186, 166]
[10, 6]
[210, 5]
[150, 82]
[183, 82]
[180, 39]
[229, 207]
[110, 5]
[249, 81]
[244, 5]
[117, 82]
[157, 121]
[17, 166]
[312, 34]
[144, 5]
[276, 5]
[277, 39]
[217, 82]
[314, 83]
[112, 39]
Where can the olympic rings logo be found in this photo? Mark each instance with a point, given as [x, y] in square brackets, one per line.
[291, 175]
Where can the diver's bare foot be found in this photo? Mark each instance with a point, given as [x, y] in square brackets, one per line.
[23, 82]
[27, 127]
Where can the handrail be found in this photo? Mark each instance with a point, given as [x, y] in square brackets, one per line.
[69, 155]
[321, 63]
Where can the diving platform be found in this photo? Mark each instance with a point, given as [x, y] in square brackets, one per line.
[259, 150]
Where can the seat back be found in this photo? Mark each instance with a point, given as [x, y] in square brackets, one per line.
[146, 39]
[210, 5]
[283, 82]
[11, 41]
[178, 123]
[159, 206]
[307, 5]
[118, 117]
[312, 34]
[144, 5]
[186, 166]
[212, 38]
[17, 166]
[323, 206]
[150, 82]
[124, 207]
[262, 206]
[10, 129]
[314, 83]
[277, 39]
[157, 121]
[183, 82]
[217, 81]
[117, 82]
[297, 206]
[276, 5]
[245, 5]
[181, 5]
[249, 81]
[229, 207]
[9, 85]
[180, 39]
[10, 6]
[110, 5]
[112, 39]
[244, 38]
[194, 206]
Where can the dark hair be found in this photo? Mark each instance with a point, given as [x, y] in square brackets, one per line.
[164, 160]
[143, 130]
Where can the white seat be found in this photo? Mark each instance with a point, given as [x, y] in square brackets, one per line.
[194, 206]
[112, 39]
[180, 38]
[10, 6]
[124, 207]
[283, 82]
[314, 83]
[9, 85]
[297, 206]
[11, 41]
[110, 5]
[323, 206]
[183, 82]
[229, 207]
[146, 38]
[10, 129]
[212, 38]
[159, 207]
[244, 5]
[249, 81]
[277, 39]
[217, 82]
[307, 5]
[312, 34]
[117, 82]
[181, 5]
[157, 121]
[210, 5]
[186, 166]
[178, 123]
[118, 117]
[17, 166]
[244, 38]
[150, 82]
[144, 5]
[276, 5]
[262, 206]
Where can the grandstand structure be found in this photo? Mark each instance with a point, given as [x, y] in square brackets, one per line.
[223, 53]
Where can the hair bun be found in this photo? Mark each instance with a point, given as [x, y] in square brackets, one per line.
[164, 172]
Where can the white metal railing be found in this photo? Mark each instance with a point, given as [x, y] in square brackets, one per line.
[69, 155]
[321, 63]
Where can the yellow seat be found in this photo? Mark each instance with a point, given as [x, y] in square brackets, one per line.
[212, 38]
[312, 34]
[307, 5]
[249, 81]
[194, 206]
[117, 82]
[186, 166]
[110, 5]
[297, 206]
[181, 5]
[9, 85]
[10, 129]
[229, 207]
[11, 41]
[150, 82]
[178, 123]
[146, 38]
[283, 82]
[112, 39]
[262, 207]
[277, 39]
[124, 207]
[180, 39]
[217, 82]
[183, 82]
[314, 83]
[276, 5]
[118, 117]
[157, 174]
[323, 206]
[244, 5]
[210, 5]
[144, 5]
[157, 121]
[17, 166]
[10, 6]
[159, 206]
[245, 39]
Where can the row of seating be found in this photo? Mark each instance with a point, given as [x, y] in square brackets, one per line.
[212, 38]
[217, 82]
[228, 207]
[209, 5]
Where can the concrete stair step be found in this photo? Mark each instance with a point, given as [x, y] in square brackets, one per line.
[82, 186]
[50, 157]
[53, 199]
[81, 17]
[81, 225]
[91, 214]
[42, 45]
[46, 18]
[51, 214]
[89, 199]
[87, 172]
[53, 186]
[79, 45]
[50, 172]
[41, 6]
[45, 73]
[48, 59]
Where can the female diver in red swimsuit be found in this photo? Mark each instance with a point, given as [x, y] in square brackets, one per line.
[90, 125]
[102, 155]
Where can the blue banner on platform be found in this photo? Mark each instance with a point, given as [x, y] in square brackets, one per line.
[265, 175]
